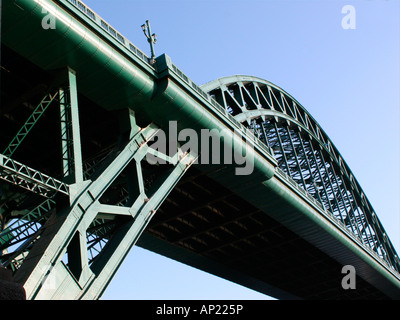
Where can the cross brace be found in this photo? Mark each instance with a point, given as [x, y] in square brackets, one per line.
[30, 179]
[70, 247]
[28, 125]
[46, 275]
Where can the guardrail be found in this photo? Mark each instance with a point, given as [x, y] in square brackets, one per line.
[110, 30]
[220, 109]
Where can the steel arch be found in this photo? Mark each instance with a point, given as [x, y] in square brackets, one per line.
[305, 153]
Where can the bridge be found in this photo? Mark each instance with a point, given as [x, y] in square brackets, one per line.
[99, 153]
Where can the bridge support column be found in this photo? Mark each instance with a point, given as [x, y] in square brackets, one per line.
[71, 245]
[70, 132]
[58, 266]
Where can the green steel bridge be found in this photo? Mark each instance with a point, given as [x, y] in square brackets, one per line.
[80, 109]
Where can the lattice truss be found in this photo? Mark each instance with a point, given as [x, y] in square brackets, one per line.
[305, 154]
[118, 186]
[20, 229]
[24, 227]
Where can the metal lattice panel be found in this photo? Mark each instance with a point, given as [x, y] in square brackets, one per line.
[304, 153]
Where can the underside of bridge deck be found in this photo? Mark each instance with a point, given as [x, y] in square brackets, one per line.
[207, 219]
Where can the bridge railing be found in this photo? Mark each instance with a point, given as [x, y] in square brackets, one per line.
[220, 109]
[105, 26]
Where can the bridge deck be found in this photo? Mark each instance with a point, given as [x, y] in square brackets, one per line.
[258, 230]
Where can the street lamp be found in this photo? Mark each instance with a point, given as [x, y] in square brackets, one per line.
[151, 38]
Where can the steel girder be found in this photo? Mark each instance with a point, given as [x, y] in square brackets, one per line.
[27, 127]
[28, 178]
[305, 154]
[70, 245]
[81, 230]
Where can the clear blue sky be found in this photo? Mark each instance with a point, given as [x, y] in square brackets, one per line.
[348, 80]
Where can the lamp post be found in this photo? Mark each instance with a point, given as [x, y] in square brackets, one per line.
[151, 38]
